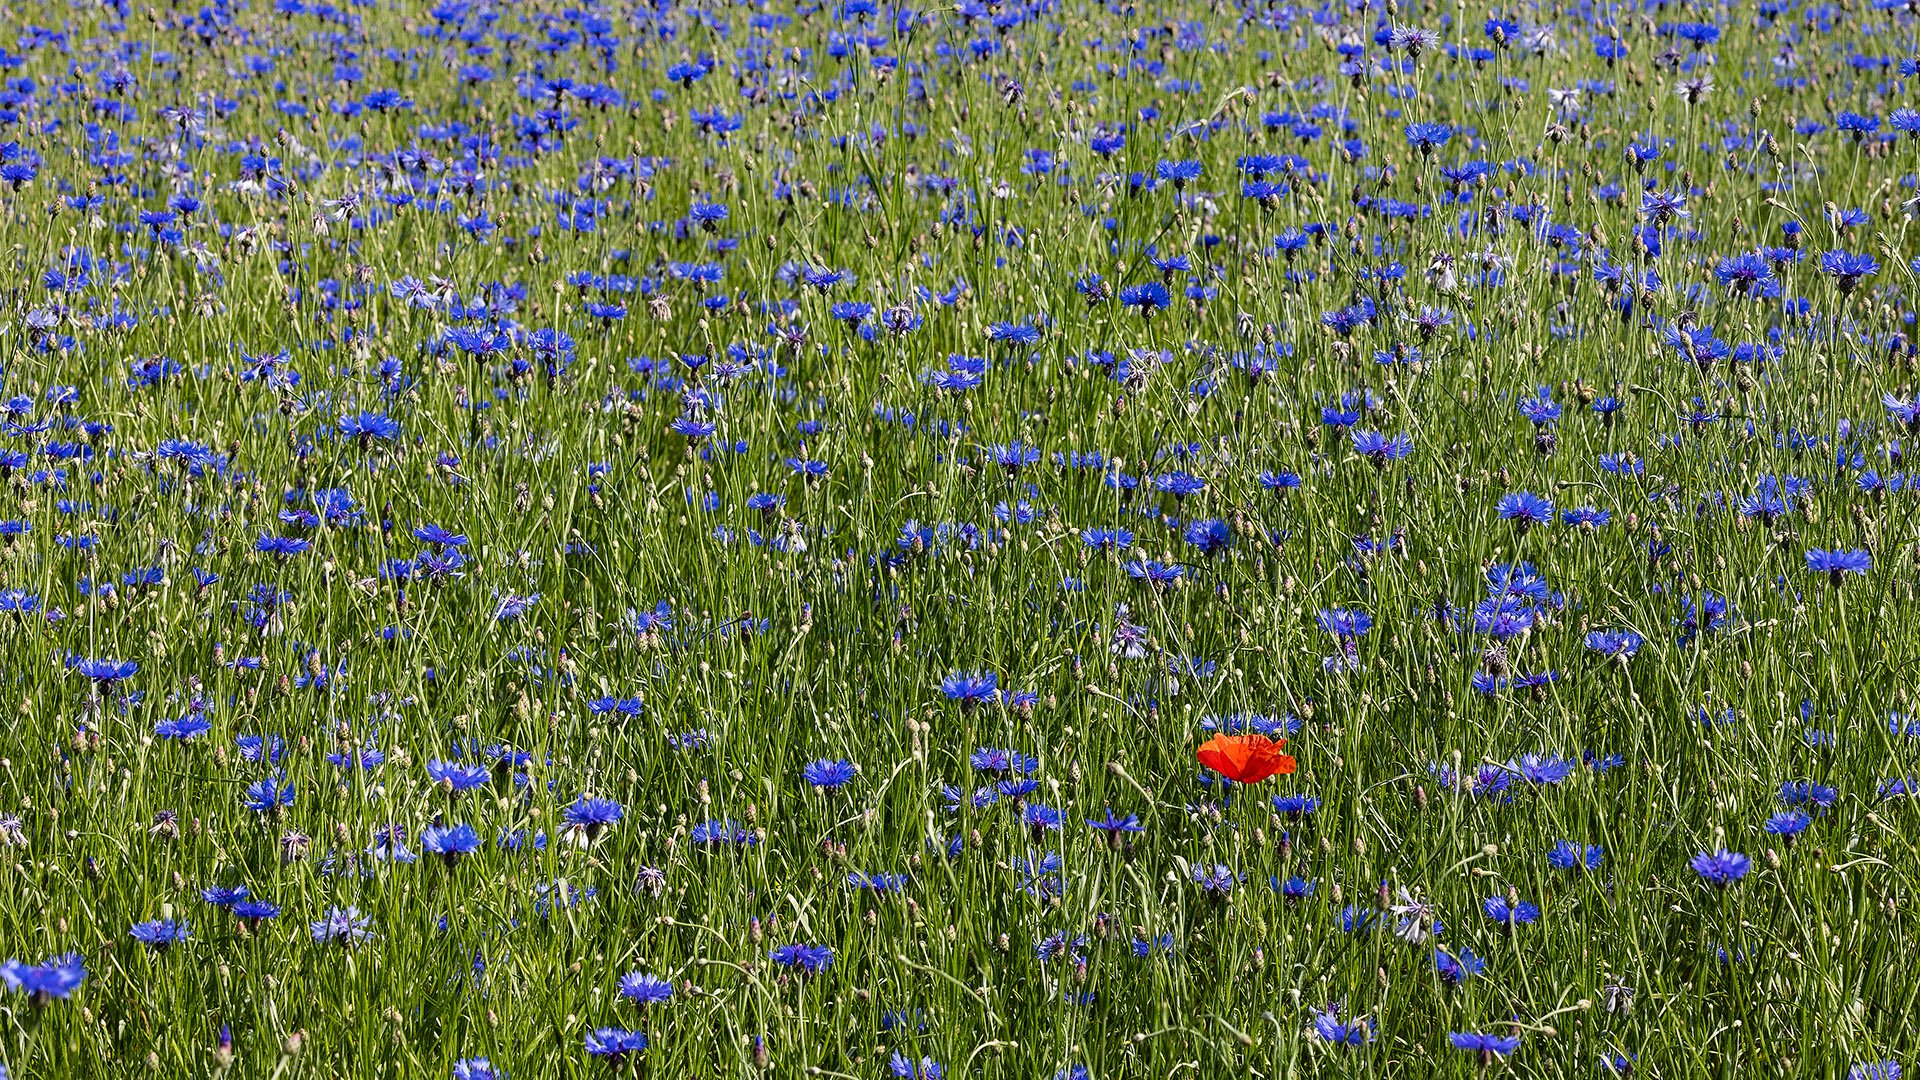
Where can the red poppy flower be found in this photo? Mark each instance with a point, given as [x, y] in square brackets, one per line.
[1245, 759]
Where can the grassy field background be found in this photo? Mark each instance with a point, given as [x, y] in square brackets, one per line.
[553, 539]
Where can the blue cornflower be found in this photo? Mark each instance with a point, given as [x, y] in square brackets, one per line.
[1017, 788]
[1836, 564]
[1279, 482]
[1296, 806]
[1116, 827]
[1503, 617]
[591, 815]
[692, 428]
[1660, 207]
[765, 503]
[1571, 855]
[104, 673]
[186, 728]
[878, 883]
[513, 606]
[1339, 419]
[1294, 888]
[1210, 535]
[1510, 912]
[809, 959]
[439, 537]
[1427, 137]
[160, 933]
[266, 794]
[1179, 484]
[1013, 333]
[1328, 1027]
[254, 911]
[1215, 880]
[1710, 614]
[1014, 456]
[1847, 269]
[223, 896]
[644, 989]
[450, 842]
[828, 774]
[1147, 297]
[1021, 701]
[1747, 274]
[1041, 819]
[722, 832]
[56, 977]
[1163, 945]
[1541, 409]
[365, 758]
[1344, 623]
[615, 706]
[614, 1044]
[1763, 506]
[1525, 509]
[908, 1069]
[281, 546]
[1904, 413]
[1381, 449]
[970, 688]
[1487, 1046]
[258, 748]
[1808, 793]
[456, 777]
[1412, 40]
[1615, 644]
[342, 926]
[851, 312]
[1541, 769]
[1454, 970]
[1178, 173]
[1721, 868]
[369, 427]
[1788, 823]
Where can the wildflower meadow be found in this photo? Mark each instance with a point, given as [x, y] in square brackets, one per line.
[1017, 540]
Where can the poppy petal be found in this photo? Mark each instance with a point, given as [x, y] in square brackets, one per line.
[1244, 759]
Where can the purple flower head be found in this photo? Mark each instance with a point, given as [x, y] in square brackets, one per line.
[1721, 868]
